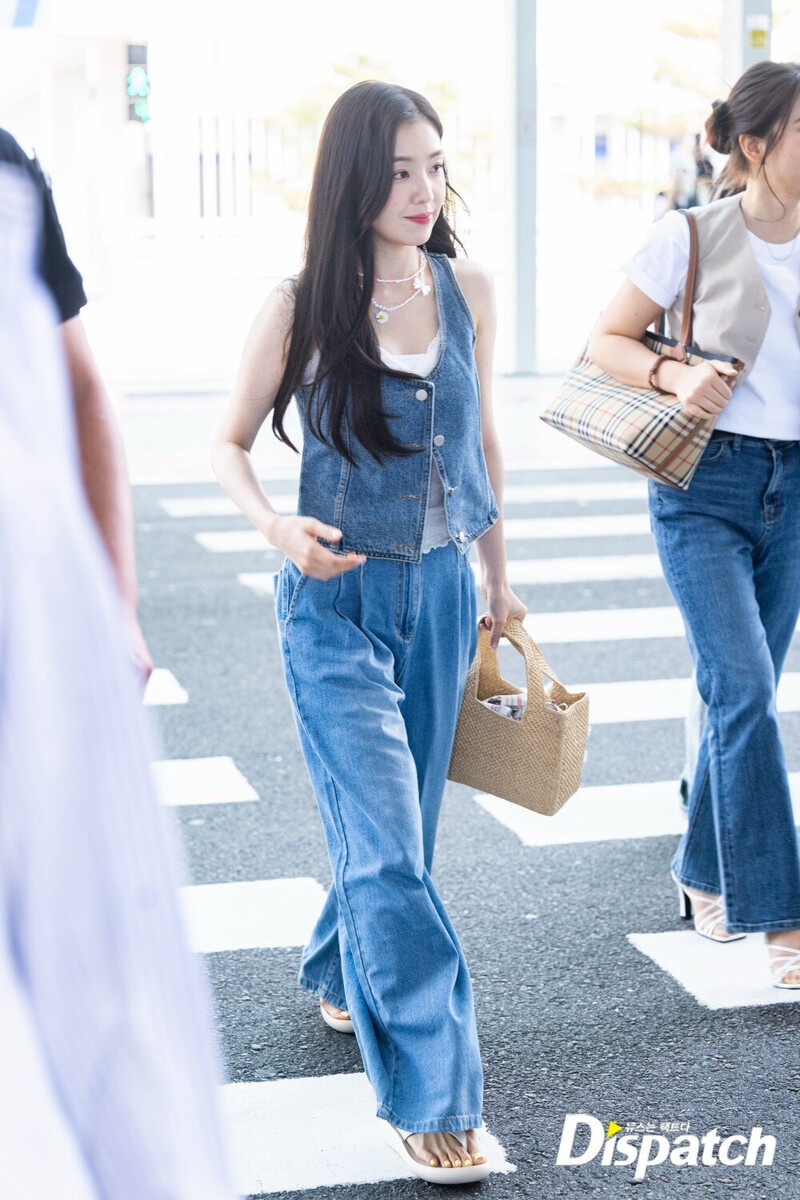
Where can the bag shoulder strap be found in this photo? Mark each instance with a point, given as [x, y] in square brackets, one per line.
[691, 279]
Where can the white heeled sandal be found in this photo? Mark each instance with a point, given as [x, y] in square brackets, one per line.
[340, 1024]
[398, 1140]
[787, 959]
[708, 913]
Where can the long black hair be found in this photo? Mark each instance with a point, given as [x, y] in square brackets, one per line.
[760, 104]
[351, 185]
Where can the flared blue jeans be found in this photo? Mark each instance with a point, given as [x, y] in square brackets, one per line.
[730, 550]
[375, 662]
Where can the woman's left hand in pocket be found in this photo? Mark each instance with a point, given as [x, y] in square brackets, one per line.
[503, 605]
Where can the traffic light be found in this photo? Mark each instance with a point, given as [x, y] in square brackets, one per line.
[137, 84]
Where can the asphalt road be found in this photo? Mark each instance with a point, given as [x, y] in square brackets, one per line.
[572, 1017]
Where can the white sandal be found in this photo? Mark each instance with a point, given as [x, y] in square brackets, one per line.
[340, 1024]
[711, 913]
[787, 959]
[398, 1140]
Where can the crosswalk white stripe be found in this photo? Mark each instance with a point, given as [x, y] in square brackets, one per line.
[593, 526]
[617, 811]
[201, 781]
[528, 571]
[661, 699]
[283, 1138]
[732, 976]
[259, 913]
[163, 688]
[513, 493]
[582, 460]
[232, 541]
[217, 506]
[241, 541]
[577, 493]
[604, 625]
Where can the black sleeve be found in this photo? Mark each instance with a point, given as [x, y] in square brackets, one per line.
[55, 265]
[57, 268]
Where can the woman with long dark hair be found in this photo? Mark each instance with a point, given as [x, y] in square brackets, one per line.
[385, 339]
[729, 545]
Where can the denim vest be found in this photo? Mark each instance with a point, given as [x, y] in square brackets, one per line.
[381, 509]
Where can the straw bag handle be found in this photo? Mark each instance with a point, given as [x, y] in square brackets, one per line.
[535, 661]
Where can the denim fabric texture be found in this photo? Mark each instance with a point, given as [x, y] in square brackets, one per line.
[381, 509]
[375, 662]
[729, 550]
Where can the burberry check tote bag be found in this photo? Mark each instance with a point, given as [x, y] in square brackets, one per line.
[640, 428]
[535, 762]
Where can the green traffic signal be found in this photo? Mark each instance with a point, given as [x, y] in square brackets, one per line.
[138, 82]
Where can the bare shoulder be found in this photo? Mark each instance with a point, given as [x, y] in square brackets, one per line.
[280, 302]
[477, 283]
[472, 274]
[272, 324]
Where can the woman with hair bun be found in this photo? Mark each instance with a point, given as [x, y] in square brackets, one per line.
[385, 340]
[729, 544]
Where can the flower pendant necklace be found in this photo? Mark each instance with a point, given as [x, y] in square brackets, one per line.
[419, 286]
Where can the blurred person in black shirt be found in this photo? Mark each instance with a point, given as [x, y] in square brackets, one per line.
[103, 464]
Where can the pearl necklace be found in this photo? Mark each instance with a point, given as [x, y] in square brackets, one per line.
[382, 315]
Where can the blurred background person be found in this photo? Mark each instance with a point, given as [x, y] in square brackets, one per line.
[727, 544]
[102, 456]
[109, 1085]
[691, 178]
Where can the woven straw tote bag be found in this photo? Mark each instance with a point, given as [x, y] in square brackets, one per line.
[640, 428]
[536, 761]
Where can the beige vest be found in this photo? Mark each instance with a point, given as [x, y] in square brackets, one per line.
[731, 309]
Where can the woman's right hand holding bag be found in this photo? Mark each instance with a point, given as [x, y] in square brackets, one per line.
[703, 389]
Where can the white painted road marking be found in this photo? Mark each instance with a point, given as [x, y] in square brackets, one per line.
[293, 1135]
[661, 699]
[600, 814]
[259, 913]
[718, 976]
[201, 781]
[604, 625]
[163, 688]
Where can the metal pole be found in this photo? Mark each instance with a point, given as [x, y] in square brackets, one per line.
[522, 219]
[746, 36]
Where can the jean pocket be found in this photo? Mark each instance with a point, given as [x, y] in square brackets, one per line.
[290, 583]
[716, 450]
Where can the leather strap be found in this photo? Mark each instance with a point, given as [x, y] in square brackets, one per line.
[691, 279]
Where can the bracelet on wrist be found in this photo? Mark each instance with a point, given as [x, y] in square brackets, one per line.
[651, 378]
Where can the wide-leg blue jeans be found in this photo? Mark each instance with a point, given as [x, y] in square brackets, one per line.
[375, 662]
[730, 550]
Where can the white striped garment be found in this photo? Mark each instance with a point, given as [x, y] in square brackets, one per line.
[110, 1069]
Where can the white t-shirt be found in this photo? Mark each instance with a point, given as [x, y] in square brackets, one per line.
[767, 403]
[434, 532]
